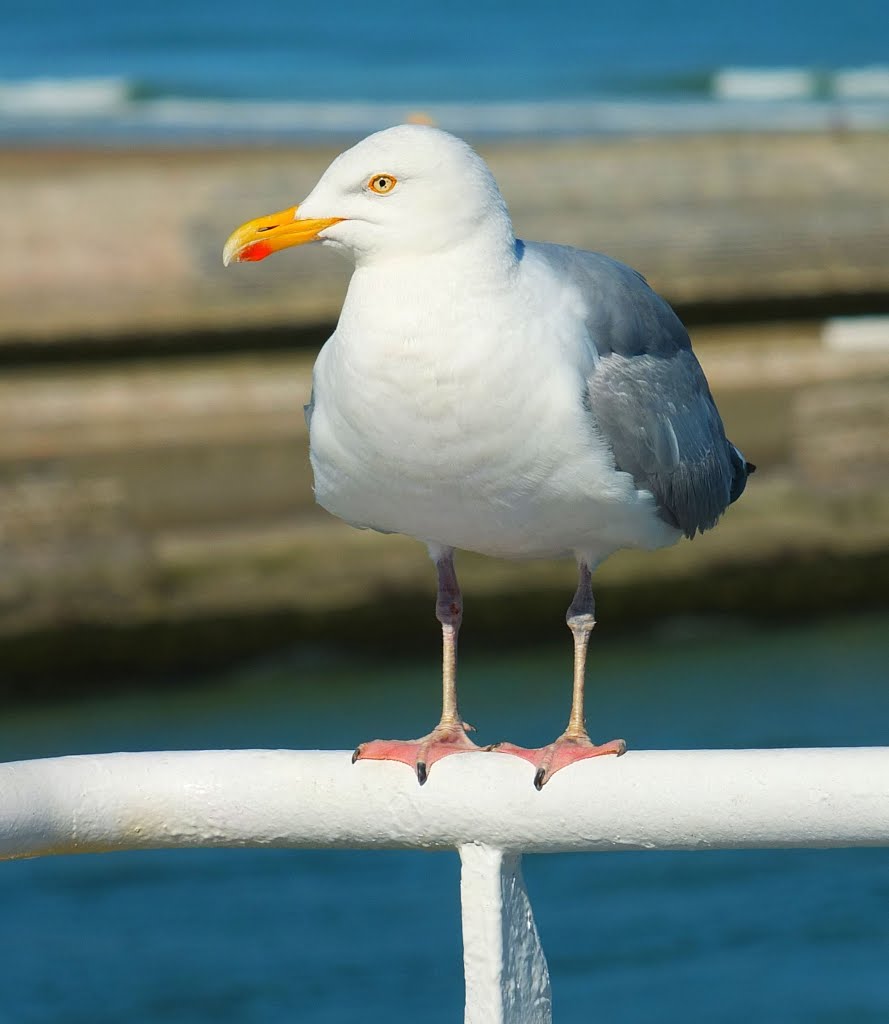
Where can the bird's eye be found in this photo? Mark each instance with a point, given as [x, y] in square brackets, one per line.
[381, 183]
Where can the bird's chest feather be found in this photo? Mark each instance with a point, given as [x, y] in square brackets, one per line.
[417, 413]
[474, 423]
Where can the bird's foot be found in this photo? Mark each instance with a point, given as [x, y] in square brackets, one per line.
[420, 754]
[568, 748]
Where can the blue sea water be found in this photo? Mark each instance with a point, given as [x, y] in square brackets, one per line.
[189, 69]
[261, 936]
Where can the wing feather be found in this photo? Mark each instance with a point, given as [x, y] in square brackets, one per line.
[648, 394]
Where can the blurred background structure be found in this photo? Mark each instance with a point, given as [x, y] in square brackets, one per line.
[153, 458]
[156, 514]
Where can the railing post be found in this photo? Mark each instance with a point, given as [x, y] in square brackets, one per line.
[507, 981]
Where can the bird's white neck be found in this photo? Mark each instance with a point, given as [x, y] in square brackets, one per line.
[405, 293]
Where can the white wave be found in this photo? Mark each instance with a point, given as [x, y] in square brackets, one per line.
[64, 97]
[764, 84]
[862, 83]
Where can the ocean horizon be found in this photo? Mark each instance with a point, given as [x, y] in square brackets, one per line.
[103, 72]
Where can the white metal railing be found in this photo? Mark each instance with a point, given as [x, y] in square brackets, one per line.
[482, 804]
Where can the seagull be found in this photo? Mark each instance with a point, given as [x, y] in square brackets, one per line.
[518, 399]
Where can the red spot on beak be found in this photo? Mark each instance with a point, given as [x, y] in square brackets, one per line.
[254, 252]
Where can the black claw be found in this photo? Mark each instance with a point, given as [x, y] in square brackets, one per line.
[356, 755]
[539, 779]
[422, 774]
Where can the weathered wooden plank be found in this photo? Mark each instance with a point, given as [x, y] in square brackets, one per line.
[111, 243]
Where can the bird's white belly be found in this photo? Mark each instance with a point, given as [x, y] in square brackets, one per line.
[471, 455]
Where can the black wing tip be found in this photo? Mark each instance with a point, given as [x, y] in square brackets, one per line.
[742, 470]
[690, 526]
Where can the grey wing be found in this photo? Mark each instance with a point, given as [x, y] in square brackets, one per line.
[665, 431]
[650, 399]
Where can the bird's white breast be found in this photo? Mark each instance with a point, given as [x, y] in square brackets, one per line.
[463, 424]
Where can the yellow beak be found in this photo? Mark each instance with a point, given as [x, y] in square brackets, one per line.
[261, 237]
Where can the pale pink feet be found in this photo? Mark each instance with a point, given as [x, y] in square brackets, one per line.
[564, 751]
[420, 754]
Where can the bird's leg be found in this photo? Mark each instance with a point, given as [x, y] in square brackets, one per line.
[574, 744]
[581, 618]
[449, 736]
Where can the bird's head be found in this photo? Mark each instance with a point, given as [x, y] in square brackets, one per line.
[401, 193]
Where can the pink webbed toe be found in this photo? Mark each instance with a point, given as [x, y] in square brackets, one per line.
[420, 754]
[566, 750]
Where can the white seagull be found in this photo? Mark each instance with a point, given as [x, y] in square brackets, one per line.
[519, 399]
